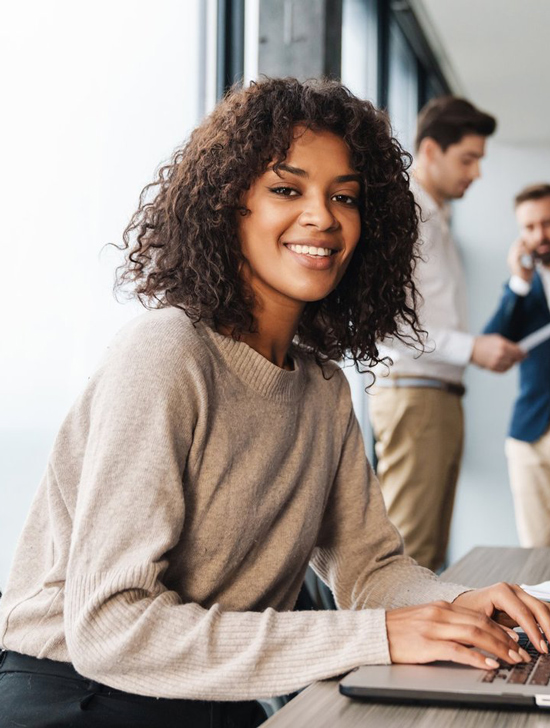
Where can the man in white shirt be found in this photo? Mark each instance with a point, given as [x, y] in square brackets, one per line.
[524, 309]
[416, 410]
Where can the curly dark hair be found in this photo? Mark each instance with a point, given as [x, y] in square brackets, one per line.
[183, 248]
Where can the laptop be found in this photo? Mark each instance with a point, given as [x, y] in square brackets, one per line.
[520, 686]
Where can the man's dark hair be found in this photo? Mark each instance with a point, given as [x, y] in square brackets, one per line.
[532, 192]
[447, 119]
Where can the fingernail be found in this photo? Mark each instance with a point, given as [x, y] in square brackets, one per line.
[514, 635]
[492, 663]
[544, 646]
[525, 655]
[515, 656]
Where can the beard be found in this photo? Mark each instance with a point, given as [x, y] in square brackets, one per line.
[544, 258]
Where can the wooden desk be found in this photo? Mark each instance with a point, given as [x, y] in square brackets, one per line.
[322, 706]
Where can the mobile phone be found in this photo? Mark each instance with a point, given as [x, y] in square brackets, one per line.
[527, 262]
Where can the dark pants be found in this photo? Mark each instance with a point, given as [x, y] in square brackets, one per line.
[45, 694]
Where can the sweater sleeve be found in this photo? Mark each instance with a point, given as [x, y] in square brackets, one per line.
[124, 626]
[360, 552]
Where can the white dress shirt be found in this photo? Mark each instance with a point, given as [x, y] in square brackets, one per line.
[439, 277]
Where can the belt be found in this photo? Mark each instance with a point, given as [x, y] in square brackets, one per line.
[398, 382]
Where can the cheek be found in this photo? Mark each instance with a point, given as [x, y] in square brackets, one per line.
[350, 252]
[261, 227]
[250, 233]
[352, 230]
[453, 170]
[459, 172]
[445, 176]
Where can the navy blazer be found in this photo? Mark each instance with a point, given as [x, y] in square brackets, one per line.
[516, 317]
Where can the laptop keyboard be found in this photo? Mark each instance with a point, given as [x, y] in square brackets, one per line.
[536, 672]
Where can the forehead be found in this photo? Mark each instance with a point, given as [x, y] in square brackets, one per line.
[318, 149]
[532, 211]
[471, 144]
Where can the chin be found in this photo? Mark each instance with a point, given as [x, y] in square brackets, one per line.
[312, 297]
[310, 294]
[315, 297]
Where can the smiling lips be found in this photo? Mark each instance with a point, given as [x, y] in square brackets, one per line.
[313, 250]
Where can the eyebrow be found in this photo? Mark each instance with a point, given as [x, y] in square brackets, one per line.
[302, 173]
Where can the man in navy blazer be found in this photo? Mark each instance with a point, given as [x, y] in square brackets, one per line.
[524, 308]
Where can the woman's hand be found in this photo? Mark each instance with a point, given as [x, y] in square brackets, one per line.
[509, 605]
[443, 631]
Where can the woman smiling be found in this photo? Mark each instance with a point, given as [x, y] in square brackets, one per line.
[215, 452]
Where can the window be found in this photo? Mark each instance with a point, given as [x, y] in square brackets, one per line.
[360, 48]
[403, 86]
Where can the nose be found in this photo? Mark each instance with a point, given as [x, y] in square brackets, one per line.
[476, 170]
[317, 212]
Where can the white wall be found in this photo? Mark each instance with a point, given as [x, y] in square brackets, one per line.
[484, 225]
[96, 96]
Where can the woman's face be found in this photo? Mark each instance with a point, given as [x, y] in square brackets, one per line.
[304, 222]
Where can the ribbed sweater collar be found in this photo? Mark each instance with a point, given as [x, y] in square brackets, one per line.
[255, 370]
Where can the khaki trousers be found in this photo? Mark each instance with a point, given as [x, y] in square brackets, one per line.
[529, 471]
[419, 433]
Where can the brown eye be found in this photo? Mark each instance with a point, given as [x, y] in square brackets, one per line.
[284, 191]
[348, 200]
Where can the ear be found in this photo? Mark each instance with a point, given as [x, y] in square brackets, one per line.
[429, 149]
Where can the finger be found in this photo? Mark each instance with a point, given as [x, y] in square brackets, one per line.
[512, 352]
[504, 619]
[520, 246]
[464, 656]
[456, 623]
[519, 354]
[523, 246]
[457, 614]
[528, 612]
[505, 625]
[493, 639]
[528, 616]
[469, 612]
[541, 614]
[512, 634]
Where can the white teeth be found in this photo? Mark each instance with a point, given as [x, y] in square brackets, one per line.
[311, 250]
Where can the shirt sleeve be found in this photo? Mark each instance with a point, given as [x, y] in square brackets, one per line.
[360, 553]
[125, 627]
[519, 286]
[442, 310]
[447, 345]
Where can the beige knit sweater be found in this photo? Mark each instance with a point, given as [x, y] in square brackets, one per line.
[187, 490]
